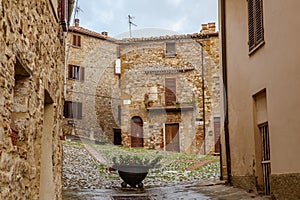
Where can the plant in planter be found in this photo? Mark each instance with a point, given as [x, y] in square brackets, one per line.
[149, 103]
[133, 168]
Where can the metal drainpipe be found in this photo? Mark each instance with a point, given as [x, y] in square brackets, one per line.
[65, 63]
[224, 74]
[203, 99]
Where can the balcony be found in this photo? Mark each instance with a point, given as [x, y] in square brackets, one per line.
[172, 108]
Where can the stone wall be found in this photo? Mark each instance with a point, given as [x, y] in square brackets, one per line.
[31, 99]
[96, 92]
[110, 100]
[144, 69]
[285, 186]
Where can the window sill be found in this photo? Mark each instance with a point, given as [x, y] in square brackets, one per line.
[252, 51]
[77, 80]
[171, 55]
[77, 47]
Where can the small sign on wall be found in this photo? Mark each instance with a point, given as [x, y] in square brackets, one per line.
[118, 66]
[126, 102]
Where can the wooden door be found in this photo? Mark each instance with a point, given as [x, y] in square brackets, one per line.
[137, 136]
[172, 137]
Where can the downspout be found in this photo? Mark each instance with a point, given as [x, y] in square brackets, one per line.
[224, 74]
[65, 63]
[203, 99]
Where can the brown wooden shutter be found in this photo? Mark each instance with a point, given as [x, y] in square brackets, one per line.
[74, 40]
[66, 109]
[71, 109]
[170, 91]
[81, 73]
[70, 67]
[259, 21]
[79, 110]
[79, 40]
[255, 23]
[251, 24]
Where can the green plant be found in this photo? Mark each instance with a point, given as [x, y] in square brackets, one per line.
[152, 161]
[149, 103]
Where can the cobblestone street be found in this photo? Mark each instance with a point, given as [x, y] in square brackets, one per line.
[82, 180]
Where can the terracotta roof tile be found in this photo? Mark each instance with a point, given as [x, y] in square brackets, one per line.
[79, 29]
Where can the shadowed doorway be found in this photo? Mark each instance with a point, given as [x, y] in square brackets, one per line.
[137, 135]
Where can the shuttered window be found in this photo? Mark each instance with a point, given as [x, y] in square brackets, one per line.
[76, 72]
[170, 49]
[255, 24]
[77, 40]
[73, 110]
[170, 91]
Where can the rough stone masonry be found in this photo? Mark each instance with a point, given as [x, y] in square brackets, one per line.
[31, 99]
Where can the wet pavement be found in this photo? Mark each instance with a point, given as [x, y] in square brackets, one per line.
[189, 192]
[81, 181]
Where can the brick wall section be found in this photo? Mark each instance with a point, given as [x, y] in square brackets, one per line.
[97, 55]
[31, 65]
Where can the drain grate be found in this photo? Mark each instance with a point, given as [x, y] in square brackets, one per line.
[131, 197]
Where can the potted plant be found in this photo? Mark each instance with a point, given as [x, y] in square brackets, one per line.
[149, 103]
[133, 168]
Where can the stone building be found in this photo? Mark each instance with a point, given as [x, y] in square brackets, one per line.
[90, 79]
[260, 58]
[110, 83]
[167, 71]
[31, 97]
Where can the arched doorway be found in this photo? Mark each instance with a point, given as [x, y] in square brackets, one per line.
[137, 135]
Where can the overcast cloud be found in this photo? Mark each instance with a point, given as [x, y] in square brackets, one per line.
[181, 16]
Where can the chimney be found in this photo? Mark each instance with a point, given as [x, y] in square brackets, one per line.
[212, 27]
[104, 33]
[204, 27]
[76, 22]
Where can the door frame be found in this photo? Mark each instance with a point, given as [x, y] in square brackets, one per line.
[164, 133]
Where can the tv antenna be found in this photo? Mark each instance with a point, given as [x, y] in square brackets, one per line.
[130, 18]
[77, 10]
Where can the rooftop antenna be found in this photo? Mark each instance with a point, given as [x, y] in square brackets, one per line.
[130, 18]
[77, 10]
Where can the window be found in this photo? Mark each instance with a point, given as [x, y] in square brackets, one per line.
[170, 91]
[266, 163]
[77, 40]
[73, 110]
[255, 24]
[170, 49]
[76, 73]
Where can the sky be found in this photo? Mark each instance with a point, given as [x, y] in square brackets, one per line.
[176, 16]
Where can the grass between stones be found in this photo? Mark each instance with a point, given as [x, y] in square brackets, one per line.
[174, 167]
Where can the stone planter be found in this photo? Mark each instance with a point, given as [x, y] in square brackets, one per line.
[132, 175]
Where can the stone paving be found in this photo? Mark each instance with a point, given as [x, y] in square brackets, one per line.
[81, 180]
